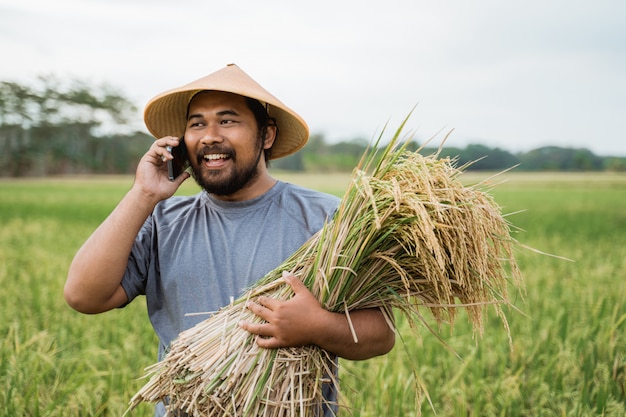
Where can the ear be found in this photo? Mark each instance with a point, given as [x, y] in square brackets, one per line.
[270, 136]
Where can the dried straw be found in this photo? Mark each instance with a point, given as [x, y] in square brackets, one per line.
[407, 236]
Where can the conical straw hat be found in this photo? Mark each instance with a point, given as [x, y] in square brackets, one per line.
[165, 114]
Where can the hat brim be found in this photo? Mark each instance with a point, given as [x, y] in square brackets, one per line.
[165, 114]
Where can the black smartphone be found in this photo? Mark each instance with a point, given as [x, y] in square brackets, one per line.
[176, 166]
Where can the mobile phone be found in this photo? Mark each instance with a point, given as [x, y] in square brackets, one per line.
[176, 166]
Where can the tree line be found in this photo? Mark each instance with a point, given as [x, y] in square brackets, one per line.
[321, 156]
[60, 127]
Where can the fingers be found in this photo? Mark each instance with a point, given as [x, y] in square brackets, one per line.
[268, 342]
[264, 332]
[162, 148]
[259, 329]
[267, 303]
[285, 321]
[296, 285]
[257, 309]
[263, 308]
[151, 173]
[168, 149]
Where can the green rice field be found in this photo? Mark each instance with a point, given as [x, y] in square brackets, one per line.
[567, 356]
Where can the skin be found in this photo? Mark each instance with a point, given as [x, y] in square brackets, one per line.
[221, 126]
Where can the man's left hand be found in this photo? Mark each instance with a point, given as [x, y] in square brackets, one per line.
[291, 323]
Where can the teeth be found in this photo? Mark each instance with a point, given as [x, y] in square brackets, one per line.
[211, 157]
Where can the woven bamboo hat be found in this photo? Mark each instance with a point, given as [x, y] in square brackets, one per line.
[165, 114]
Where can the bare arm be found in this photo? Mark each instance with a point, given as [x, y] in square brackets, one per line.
[94, 279]
[302, 321]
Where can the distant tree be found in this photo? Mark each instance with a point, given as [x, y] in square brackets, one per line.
[354, 147]
[318, 155]
[344, 156]
[317, 144]
[57, 126]
[585, 160]
[446, 152]
[483, 158]
[615, 164]
[555, 158]
[477, 157]
[293, 162]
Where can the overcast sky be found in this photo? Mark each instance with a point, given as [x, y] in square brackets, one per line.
[517, 75]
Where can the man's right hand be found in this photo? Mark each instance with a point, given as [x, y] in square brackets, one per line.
[151, 177]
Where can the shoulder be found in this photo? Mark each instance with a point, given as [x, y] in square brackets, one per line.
[308, 207]
[297, 190]
[173, 208]
[310, 198]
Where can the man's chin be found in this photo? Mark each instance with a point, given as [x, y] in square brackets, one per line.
[220, 186]
[209, 180]
[224, 182]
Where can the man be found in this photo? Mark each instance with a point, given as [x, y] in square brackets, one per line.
[194, 254]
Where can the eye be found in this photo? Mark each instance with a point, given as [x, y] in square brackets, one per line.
[195, 124]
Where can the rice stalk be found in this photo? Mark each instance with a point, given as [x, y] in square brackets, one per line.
[407, 236]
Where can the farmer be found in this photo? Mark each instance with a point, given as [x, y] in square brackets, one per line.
[196, 254]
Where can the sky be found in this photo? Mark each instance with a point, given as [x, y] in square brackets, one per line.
[513, 75]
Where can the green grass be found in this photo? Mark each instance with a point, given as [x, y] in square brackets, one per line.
[568, 356]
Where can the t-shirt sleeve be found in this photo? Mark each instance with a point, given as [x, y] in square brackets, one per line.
[135, 277]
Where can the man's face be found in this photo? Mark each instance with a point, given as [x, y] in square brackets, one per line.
[223, 142]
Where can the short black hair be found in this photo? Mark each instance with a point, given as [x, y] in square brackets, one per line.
[263, 121]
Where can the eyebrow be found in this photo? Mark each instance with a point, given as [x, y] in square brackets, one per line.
[219, 113]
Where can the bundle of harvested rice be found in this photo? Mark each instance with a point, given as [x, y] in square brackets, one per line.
[406, 236]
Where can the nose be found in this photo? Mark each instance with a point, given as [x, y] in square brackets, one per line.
[211, 135]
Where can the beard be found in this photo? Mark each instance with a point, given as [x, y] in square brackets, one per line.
[215, 182]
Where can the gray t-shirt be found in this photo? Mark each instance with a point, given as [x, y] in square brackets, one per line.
[193, 254]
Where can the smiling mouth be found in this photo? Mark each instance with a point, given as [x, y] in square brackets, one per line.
[216, 157]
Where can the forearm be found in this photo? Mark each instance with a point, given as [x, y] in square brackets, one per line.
[95, 274]
[362, 334]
